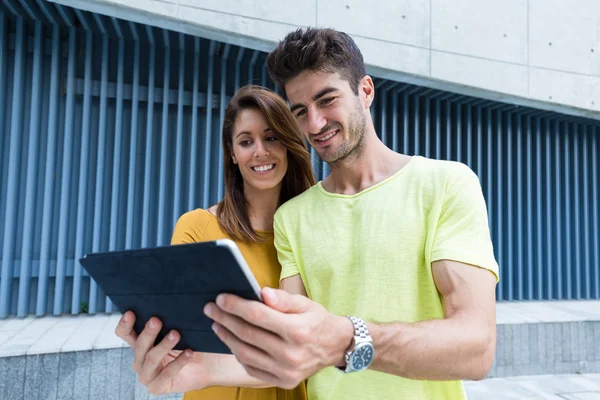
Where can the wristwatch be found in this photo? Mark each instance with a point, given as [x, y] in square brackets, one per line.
[361, 355]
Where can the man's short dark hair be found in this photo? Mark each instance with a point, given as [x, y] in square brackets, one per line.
[318, 50]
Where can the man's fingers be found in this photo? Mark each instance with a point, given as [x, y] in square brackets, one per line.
[257, 313]
[243, 330]
[163, 382]
[154, 358]
[124, 329]
[145, 342]
[285, 302]
[246, 354]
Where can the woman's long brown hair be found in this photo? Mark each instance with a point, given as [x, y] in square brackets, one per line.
[232, 211]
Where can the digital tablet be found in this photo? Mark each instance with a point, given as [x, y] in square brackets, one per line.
[174, 283]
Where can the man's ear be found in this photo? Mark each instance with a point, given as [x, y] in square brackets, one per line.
[366, 91]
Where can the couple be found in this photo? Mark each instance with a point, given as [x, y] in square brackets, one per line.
[385, 269]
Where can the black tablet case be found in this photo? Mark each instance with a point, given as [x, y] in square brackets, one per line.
[172, 283]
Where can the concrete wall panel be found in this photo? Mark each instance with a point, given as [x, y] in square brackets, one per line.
[405, 21]
[487, 28]
[565, 35]
[480, 73]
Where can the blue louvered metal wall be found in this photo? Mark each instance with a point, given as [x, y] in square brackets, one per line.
[110, 131]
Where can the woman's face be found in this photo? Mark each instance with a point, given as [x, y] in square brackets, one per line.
[257, 151]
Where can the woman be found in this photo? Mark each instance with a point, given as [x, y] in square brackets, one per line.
[266, 163]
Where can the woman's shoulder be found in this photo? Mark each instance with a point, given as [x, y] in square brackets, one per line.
[199, 215]
[193, 225]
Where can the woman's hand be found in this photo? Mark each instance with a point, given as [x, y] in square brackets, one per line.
[160, 368]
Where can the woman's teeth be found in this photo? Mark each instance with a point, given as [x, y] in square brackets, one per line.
[263, 168]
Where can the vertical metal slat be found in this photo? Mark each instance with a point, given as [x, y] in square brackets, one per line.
[164, 144]
[395, 112]
[577, 248]
[557, 210]
[193, 182]
[587, 280]
[500, 199]
[208, 132]
[509, 210]
[222, 107]
[549, 262]
[65, 196]
[132, 183]
[459, 132]
[405, 149]
[47, 226]
[519, 227]
[530, 215]
[567, 180]
[84, 165]
[8, 244]
[148, 158]
[98, 201]
[595, 145]
[427, 129]
[118, 141]
[448, 130]
[30, 183]
[417, 122]
[538, 191]
[178, 184]
[438, 129]
[469, 137]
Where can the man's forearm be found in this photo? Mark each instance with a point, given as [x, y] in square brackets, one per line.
[444, 349]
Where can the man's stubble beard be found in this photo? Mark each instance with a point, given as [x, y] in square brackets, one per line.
[351, 149]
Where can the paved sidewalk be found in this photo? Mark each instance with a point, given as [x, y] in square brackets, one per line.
[551, 387]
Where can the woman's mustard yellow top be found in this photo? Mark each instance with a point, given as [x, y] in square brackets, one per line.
[199, 226]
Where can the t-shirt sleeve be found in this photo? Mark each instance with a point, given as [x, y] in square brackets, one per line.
[285, 254]
[190, 228]
[462, 232]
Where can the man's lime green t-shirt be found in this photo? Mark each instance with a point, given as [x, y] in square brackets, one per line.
[370, 255]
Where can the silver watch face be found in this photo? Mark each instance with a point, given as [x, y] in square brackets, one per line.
[362, 357]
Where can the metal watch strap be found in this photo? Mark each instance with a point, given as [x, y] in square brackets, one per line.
[361, 333]
[360, 327]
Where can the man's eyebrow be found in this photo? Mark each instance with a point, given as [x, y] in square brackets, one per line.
[316, 97]
[323, 92]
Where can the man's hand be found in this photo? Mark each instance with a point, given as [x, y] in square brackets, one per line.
[160, 368]
[283, 341]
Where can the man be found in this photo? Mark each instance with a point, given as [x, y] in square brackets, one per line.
[399, 242]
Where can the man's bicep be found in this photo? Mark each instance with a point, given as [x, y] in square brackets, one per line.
[293, 285]
[467, 290]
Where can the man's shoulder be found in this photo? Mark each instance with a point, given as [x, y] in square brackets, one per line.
[442, 172]
[301, 201]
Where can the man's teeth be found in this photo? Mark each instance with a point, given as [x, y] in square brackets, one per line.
[326, 137]
[263, 168]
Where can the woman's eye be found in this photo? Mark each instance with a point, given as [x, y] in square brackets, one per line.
[272, 138]
[245, 143]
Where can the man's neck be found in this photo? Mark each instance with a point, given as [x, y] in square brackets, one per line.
[376, 163]
[262, 205]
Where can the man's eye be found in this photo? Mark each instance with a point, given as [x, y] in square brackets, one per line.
[300, 113]
[327, 101]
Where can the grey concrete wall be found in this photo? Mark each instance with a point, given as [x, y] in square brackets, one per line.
[540, 53]
[94, 375]
[522, 349]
